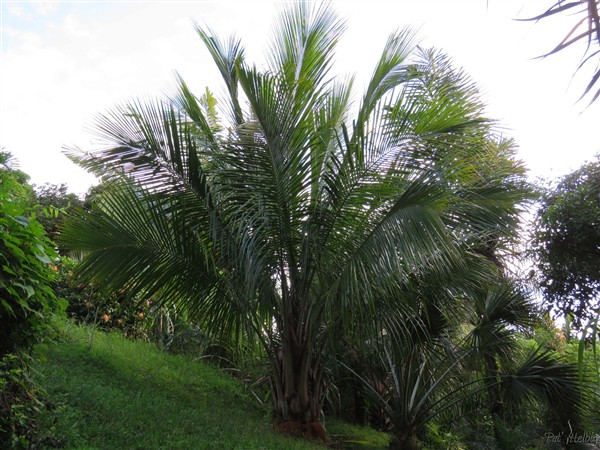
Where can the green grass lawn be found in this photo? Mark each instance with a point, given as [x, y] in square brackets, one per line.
[123, 394]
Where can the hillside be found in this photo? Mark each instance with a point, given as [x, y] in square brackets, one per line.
[123, 394]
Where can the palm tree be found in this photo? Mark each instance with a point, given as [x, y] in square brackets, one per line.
[499, 310]
[421, 375]
[291, 220]
[515, 380]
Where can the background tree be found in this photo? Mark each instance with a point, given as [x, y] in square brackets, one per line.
[292, 222]
[20, 190]
[52, 203]
[566, 243]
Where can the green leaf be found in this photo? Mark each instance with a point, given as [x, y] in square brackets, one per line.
[7, 307]
[43, 258]
[22, 220]
[29, 290]
[8, 270]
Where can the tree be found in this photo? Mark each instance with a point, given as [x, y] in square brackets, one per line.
[291, 222]
[15, 179]
[566, 243]
[462, 359]
[52, 202]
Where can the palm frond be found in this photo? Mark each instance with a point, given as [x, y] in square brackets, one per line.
[586, 30]
[303, 47]
[391, 70]
[545, 377]
[226, 55]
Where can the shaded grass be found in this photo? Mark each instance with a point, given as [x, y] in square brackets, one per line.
[348, 436]
[130, 395]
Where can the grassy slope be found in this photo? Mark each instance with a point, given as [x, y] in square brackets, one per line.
[129, 395]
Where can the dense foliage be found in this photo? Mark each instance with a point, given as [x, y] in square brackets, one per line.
[28, 265]
[567, 243]
[52, 204]
[340, 256]
[27, 259]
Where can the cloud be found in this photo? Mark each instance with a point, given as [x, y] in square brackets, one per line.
[45, 7]
[73, 28]
[16, 10]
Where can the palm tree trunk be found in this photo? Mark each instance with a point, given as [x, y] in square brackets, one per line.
[297, 401]
[493, 390]
[405, 440]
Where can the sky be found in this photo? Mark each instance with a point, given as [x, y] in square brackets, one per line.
[63, 62]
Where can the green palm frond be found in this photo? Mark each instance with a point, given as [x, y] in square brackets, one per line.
[549, 379]
[303, 47]
[226, 55]
[498, 311]
[391, 70]
[139, 233]
[149, 141]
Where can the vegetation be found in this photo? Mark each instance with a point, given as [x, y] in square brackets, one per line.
[292, 224]
[26, 301]
[128, 394]
[309, 256]
[27, 258]
[52, 204]
[586, 30]
[566, 243]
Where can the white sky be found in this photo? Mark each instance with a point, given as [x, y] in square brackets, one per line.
[63, 61]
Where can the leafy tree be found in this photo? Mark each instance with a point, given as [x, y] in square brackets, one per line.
[15, 179]
[566, 243]
[293, 224]
[27, 271]
[52, 202]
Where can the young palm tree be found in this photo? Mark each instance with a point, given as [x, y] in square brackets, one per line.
[290, 219]
[517, 381]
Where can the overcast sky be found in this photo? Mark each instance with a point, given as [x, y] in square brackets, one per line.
[61, 62]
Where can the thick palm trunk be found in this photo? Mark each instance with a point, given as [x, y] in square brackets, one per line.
[297, 388]
[405, 440]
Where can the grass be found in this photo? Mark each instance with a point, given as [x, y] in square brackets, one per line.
[122, 394]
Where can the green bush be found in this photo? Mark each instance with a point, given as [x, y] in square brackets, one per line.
[108, 311]
[28, 267]
[27, 260]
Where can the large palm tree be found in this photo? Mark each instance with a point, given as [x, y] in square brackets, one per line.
[305, 211]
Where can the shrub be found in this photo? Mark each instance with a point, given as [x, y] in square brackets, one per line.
[27, 260]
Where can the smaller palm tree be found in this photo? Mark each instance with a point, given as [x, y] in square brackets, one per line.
[514, 379]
